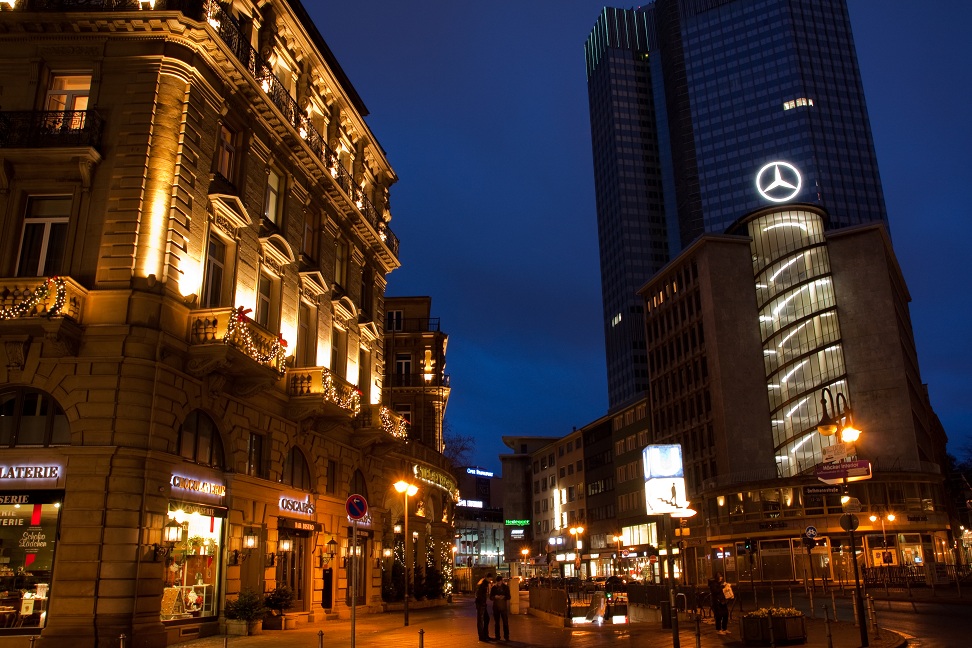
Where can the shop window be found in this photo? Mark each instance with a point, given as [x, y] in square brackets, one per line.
[31, 418]
[295, 471]
[193, 564]
[199, 440]
[27, 543]
[42, 240]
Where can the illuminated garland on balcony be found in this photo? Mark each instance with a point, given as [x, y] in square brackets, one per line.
[351, 402]
[39, 296]
[398, 430]
[239, 327]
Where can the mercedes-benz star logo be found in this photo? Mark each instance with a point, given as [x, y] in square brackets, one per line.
[778, 182]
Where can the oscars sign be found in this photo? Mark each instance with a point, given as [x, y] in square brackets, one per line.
[665, 481]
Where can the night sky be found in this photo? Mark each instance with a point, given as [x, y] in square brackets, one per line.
[482, 110]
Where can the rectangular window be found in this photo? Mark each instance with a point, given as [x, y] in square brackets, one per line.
[68, 92]
[339, 352]
[264, 300]
[191, 584]
[394, 320]
[405, 409]
[254, 456]
[331, 476]
[226, 153]
[311, 237]
[367, 290]
[306, 353]
[403, 367]
[212, 293]
[42, 241]
[271, 202]
[29, 540]
[341, 264]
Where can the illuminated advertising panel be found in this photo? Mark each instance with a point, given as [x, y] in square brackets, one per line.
[664, 480]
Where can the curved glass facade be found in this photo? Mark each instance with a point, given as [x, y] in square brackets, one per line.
[799, 329]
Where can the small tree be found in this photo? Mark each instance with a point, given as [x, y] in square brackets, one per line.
[248, 607]
[279, 599]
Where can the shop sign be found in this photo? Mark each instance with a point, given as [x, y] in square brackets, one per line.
[470, 503]
[296, 506]
[917, 518]
[30, 472]
[437, 478]
[297, 525]
[519, 523]
[198, 485]
[478, 473]
[517, 534]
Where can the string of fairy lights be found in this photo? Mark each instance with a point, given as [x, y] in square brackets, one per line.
[398, 429]
[33, 300]
[351, 400]
[238, 333]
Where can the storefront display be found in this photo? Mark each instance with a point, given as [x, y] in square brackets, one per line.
[28, 532]
[194, 562]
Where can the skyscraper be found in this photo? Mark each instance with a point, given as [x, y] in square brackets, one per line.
[689, 100]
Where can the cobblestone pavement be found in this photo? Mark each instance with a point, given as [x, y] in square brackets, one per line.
[454, 626]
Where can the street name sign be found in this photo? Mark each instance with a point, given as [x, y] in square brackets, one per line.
[844, 471]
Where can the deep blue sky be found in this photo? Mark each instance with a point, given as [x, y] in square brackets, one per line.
[482, 110]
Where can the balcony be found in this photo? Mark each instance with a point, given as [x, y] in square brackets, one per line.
[226, 342]
[379, 430]
[50, 128]
[420, 380]
[415, 325]
[317, 391]
[48, 308]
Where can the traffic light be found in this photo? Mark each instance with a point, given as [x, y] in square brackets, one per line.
[748, 544]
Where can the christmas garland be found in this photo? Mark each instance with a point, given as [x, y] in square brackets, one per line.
[399, 430]
[351, 401]
[239, 327]
[39, 296]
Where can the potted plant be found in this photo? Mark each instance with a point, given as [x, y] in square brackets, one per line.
[787, 625]
[244, 614]
[278, 601]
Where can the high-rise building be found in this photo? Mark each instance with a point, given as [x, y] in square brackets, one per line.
[689, 100]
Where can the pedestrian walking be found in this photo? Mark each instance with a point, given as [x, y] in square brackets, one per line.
[718, 588]
[482, 615]
[500, 596]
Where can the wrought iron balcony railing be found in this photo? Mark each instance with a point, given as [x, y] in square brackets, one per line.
[420, 380]
[232, 34]
[47, 128]
[414, 325]
[313, 381]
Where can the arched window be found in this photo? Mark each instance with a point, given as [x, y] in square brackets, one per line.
[29, 417]
[358, 484]
[295, 471]
[199, 440]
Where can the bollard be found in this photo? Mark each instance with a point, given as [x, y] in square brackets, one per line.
[908, 583]
[32, 641]
[857, 620]
[320, 639]
[830, 639]
[421, 638]
[873, 612]
[833, 603]
[121, 641]
[225, 641]
[810, 594]
[698, 631]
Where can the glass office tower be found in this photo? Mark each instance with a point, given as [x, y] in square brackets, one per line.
[689, 100]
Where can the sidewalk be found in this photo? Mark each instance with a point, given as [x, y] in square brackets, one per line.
[454, 626]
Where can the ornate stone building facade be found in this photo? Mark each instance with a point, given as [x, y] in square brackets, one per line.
[194, 222]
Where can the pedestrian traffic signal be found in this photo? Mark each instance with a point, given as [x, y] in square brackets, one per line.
[748, 544]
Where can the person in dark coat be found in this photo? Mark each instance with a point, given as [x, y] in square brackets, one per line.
[482, 616]
[500, 596]
[720, 605]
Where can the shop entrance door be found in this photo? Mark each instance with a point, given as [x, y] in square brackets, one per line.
[292, 567]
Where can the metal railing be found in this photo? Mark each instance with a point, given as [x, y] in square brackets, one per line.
[231, 33]
[418, 380]
[46, 128]
[414, 325]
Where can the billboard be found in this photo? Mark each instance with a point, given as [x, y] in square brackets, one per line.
[665, 481]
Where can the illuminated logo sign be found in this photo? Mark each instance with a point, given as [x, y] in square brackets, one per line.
[478, 472]
[664, 481]
[436, 478]
[778, 182]
[198, 486]
[296, 506]
[520, 523]
[470, 503]
[517, 533]
[30, 472]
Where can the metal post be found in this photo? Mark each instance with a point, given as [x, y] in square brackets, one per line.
[833, 603]
[772, 637]
[32, 638]
[791, 596]
[408, 543]
[225, 642]
[810, 594]
[320, 639]
[857, 593]
[830, 639]
[671, 585]
[121, 641]
[421, 638]
[874, 626]
[354, 578]
[698, 630]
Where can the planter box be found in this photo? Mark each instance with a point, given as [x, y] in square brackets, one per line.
[241, 628]
[279, 622]
[755, 631]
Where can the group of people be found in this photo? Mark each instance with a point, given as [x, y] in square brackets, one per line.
[497, 591]
[722, 597]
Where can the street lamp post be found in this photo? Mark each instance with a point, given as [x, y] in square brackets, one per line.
[884, 544]
[407, 490]
[842, 424]
[576, 532]
[617, 563]
[524, 552]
